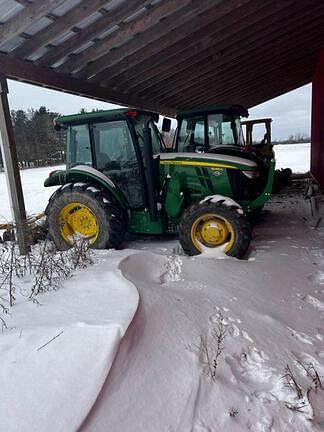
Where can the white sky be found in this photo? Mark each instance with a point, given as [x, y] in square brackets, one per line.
[290, 112]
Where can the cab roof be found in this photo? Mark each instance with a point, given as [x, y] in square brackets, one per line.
[214, 109]
[113, 114]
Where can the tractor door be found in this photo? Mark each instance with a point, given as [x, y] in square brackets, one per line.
[116, 157]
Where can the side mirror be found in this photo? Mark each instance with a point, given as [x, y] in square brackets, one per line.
[166, 125]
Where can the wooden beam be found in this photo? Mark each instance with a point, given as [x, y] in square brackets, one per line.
[9, 156]
[28, 72]
[27, 16]
[226, 47]
[250, 58]
[168, 25]
[111, 19]
[61, 25]
[128, 30]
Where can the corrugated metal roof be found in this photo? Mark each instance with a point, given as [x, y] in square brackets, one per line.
[38, 26]
[65, 7]
[10, 45]
[164, 54]
[9, 8]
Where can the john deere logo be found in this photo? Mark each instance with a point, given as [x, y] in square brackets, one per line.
[217, 171]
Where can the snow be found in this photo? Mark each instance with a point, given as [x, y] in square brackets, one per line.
[295, 156]
[36, 195]
[131, 355]
[87, 320]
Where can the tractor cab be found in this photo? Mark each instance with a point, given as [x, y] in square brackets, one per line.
[112, 142]
[210, 130]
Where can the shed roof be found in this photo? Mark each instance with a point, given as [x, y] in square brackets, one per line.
[163, 55]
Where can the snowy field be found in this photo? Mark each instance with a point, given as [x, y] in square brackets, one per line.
[130, 343]
[295, 156]
[36, 195]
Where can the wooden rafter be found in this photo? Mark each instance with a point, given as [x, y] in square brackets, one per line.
[149, 19]
[27, 16]
[191, 38]
[249, 55]
[57, 28]
[168, 25]
[245, 85]
[109, 20]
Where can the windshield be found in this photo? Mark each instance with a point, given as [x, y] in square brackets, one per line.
[200, 133]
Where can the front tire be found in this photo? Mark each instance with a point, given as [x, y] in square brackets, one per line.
[81, 211]
[209, 225]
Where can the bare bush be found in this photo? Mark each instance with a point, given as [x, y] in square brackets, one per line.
[46, 267]
[211, 345]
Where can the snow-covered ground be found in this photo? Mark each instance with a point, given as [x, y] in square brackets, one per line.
[156, 377]
[36, 195]
[295, 156]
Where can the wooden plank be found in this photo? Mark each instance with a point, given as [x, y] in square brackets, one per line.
[151, 17]
[9, 156]
[167, 26]
[87, 34]
[60, 26]
[27, 16]
[33, 74]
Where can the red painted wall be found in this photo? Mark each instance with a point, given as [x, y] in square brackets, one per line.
[317, 141]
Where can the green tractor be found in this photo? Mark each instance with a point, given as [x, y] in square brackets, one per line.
[120, 178]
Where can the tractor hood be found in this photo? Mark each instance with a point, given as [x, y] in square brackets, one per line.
[208, 160]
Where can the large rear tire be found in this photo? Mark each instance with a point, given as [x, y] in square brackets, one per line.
[77, 211]
[209, 225]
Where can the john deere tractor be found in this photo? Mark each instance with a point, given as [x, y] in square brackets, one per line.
[120, 178]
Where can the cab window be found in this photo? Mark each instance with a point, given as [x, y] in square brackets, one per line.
[78, 145]
[222, 129]
[116, 158]
[191, 134]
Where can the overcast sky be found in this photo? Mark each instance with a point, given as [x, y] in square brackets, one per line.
[290, 112]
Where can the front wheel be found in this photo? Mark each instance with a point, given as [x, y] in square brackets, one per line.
[215, 225]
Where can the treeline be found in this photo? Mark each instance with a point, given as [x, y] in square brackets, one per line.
[37, 142]
[294, 139]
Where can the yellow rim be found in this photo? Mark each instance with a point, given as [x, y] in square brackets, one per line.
[78, 221]
[212, 230]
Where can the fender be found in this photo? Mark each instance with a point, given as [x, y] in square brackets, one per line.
[84, 173]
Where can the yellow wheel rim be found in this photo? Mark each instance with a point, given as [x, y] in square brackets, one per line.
[212, 230]
[78, 221]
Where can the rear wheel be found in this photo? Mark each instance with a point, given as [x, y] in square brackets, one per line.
[81, 211]
[210, 225]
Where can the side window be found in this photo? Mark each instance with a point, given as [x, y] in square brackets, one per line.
[215, 130]
[113, 143]
[116, 158]
[191, 134]
[221, 130]
[79, 149]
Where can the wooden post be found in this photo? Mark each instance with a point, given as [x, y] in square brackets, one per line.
[10, 161]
